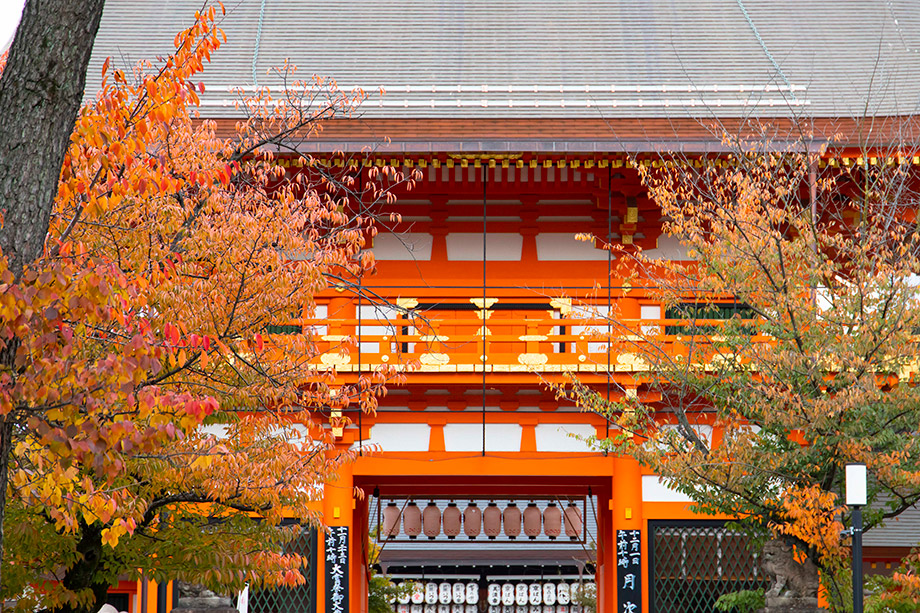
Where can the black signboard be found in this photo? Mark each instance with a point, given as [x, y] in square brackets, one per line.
[629, 571]
[337, 570]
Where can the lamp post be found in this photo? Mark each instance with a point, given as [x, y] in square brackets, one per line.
[856, 500]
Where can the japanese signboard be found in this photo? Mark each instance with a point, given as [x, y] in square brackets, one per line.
[629, 571]
[337, 570]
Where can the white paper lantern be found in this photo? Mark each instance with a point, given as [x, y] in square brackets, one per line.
[431, 608]
[417, 608]
[508, 594]
[443, 608]
[549, 593]
[494, 595]
[403, 608]
[472, 593]
[445, 593]
[535, 594]
[521, 593]
[458, 608]
[418, 593]
[404, 596]
[431, 593]
[562, 593]
[459, 593]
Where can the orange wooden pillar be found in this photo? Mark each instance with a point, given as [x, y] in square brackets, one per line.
[626, 514]
[339, 511]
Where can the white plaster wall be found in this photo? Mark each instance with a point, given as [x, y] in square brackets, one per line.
[400, 437]
[655, 489]
[562, 247]
[403, 246]
[500, 247]
[468, 437]
[555, 437]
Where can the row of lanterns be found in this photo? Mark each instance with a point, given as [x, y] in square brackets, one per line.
[471, 608]
[552, 521]
[445, 593]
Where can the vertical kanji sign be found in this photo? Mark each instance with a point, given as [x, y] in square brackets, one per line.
[337, 570]
[629, 571]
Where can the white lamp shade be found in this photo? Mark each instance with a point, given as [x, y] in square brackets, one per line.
[856, 484]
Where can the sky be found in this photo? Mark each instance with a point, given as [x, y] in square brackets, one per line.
[10, 10]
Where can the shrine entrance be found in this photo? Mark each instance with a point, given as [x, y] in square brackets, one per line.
[463, 546]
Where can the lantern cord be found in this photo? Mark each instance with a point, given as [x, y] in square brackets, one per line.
[360, 334]
[482, 330]
[609, 283]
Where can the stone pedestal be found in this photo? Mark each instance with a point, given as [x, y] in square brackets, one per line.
[197, 599]
[791, 604]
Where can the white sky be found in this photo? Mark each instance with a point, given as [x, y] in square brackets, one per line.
[10, 10]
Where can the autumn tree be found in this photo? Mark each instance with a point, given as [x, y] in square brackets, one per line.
[788, 348]
[169, 254]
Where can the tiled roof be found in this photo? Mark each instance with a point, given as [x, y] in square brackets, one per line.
[541, 58]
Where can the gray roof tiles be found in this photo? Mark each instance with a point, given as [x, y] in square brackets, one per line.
[541, 58]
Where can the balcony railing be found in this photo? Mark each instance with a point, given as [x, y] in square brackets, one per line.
[517, 338]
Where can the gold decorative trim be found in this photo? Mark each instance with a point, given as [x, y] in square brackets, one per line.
[434, 359]
[407, 303]
[433, 338]
[532, 359]
[563, 304]
[335, 359]
[484, 303]
[532, 337]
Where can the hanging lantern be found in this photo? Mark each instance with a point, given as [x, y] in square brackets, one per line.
[471, 608]
[494, 595]
[552, 521]
[562, 593]
[492, 520]
[459, 593]
[521, 593]
[418, 593]
[508, 594]
[391, 517]
[412, 520]
[445, 593]
[532, 520]
[431, 521]
[451, 520]
[457, 608]
[431, 593]
[403, 608]
[549, 593]
[417, 608]
[535, 594]
[472, 520]
[472, 593]
[561, 608]
[431, 608]
[548, 608]
[574, 524]
[443, 608]
[512, 521]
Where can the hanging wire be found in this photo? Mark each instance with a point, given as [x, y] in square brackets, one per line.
[360, 329]
[255, 50]
[609, 279]
[766, 51]
[482, 359]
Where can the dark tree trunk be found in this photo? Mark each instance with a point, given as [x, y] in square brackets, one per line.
[83, 573]
[40, 94]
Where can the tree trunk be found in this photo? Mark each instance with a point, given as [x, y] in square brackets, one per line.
[83, 573]
[40, 94]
